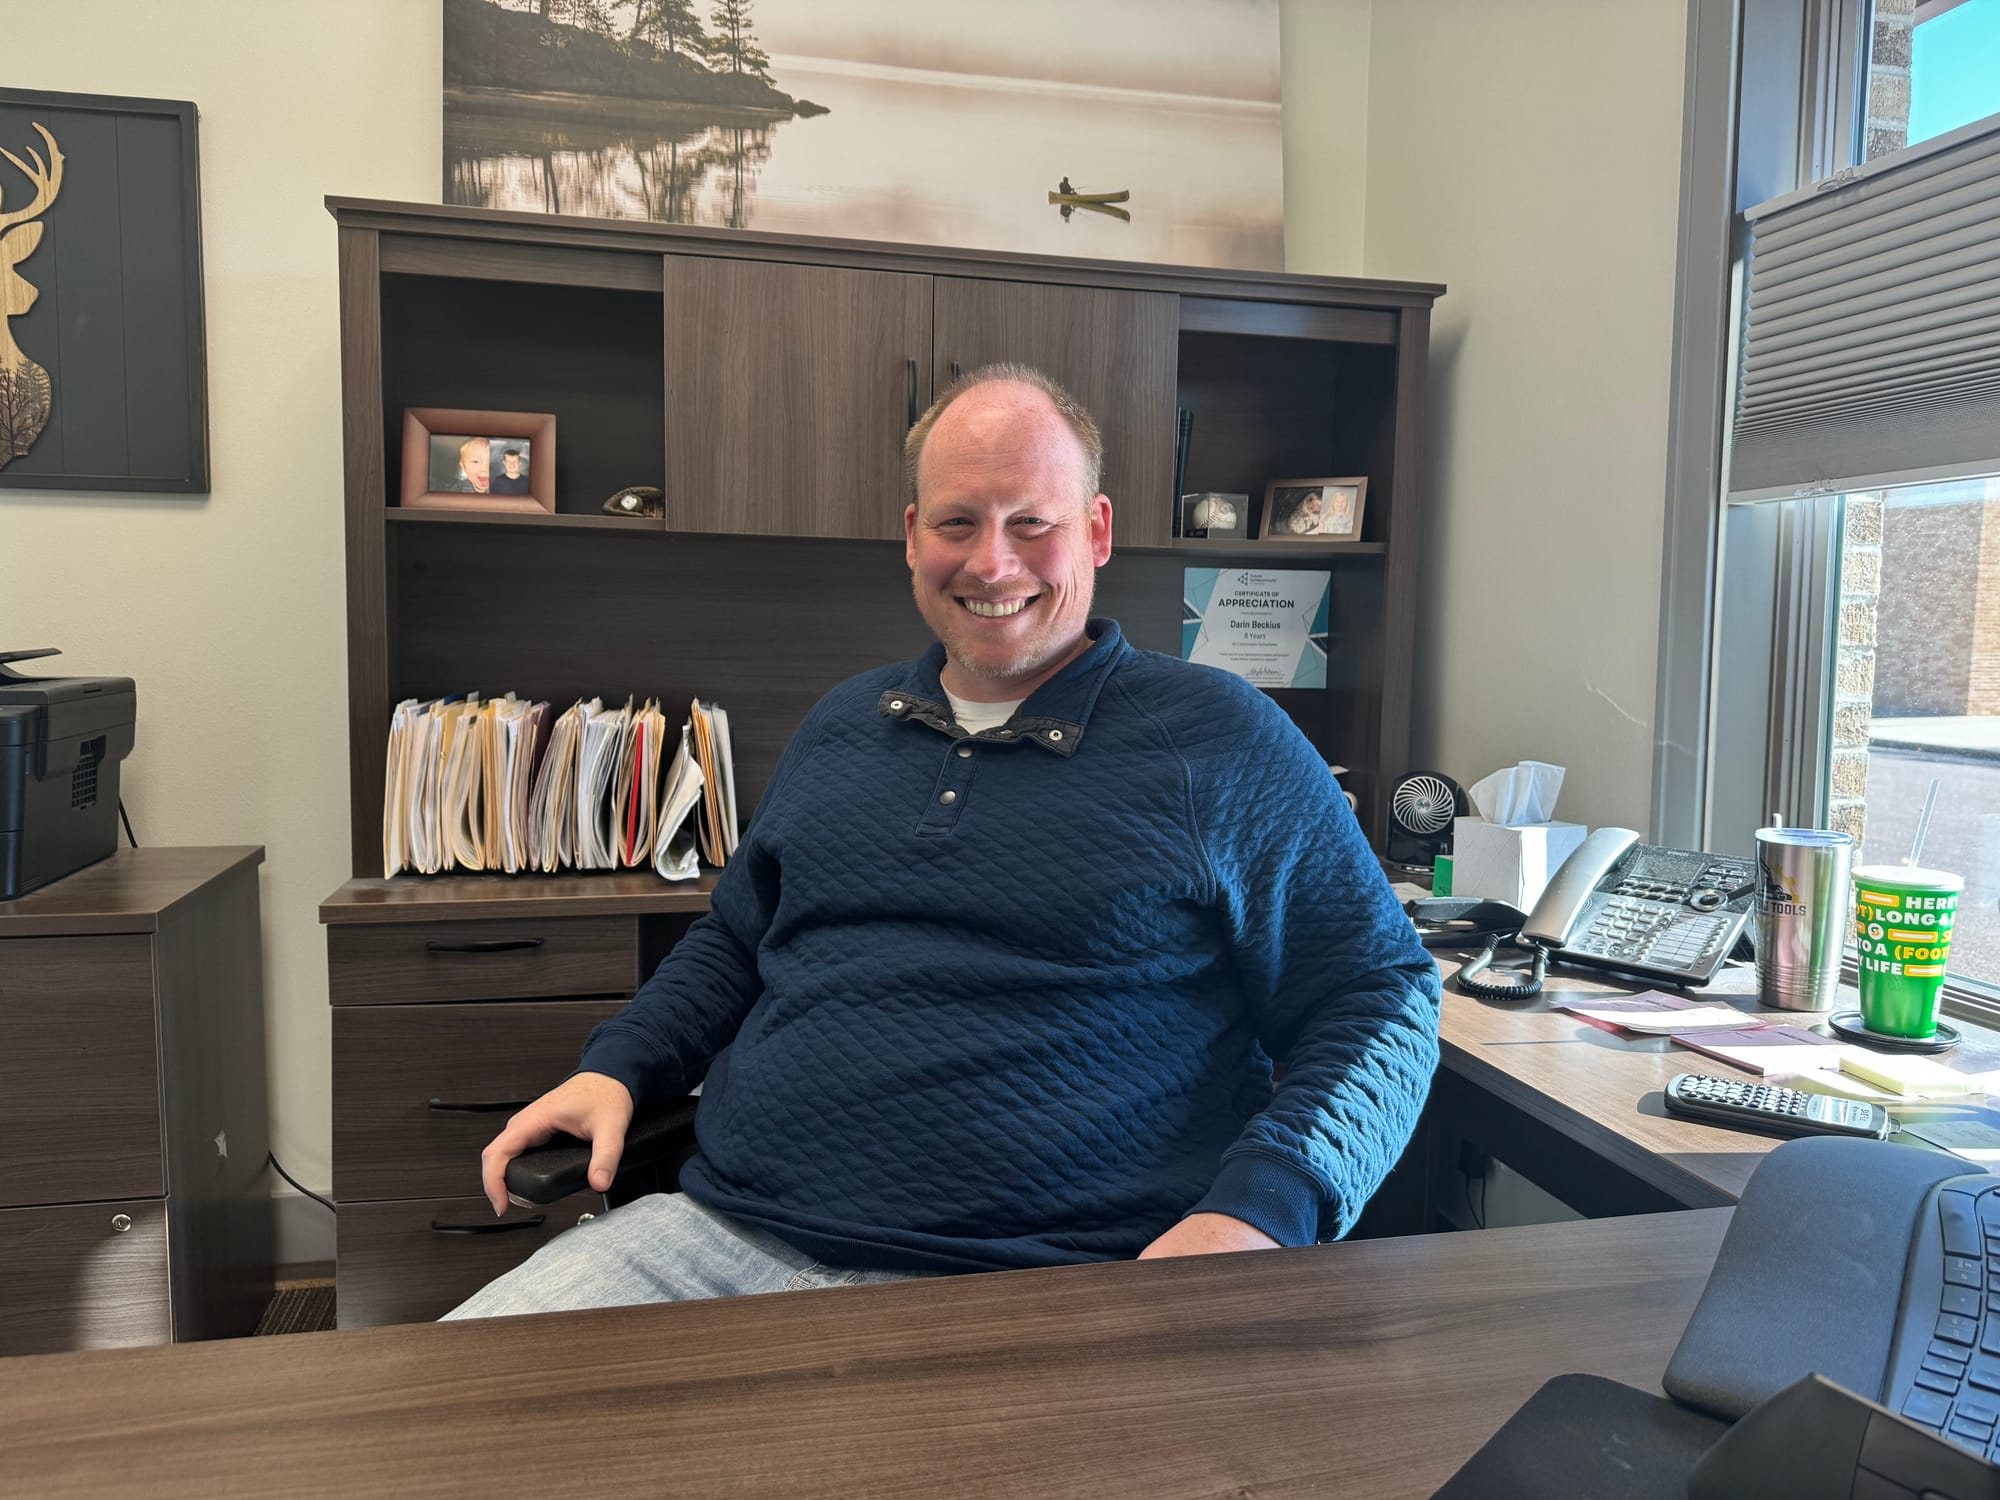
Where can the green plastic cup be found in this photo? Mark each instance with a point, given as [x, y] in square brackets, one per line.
[1902, 938]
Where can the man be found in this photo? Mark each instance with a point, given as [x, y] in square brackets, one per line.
[998, 972]
[512, 478]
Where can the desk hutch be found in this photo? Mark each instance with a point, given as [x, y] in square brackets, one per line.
[766, 383]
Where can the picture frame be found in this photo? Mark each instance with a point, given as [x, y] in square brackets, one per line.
[443, 458]
[103, 331]
[1305, 512]
[1214, 514]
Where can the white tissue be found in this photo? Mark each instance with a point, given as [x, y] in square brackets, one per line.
[1519, 795]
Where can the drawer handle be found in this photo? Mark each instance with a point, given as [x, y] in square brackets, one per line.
[485, 945]
[481, 1106]
[535, 1223]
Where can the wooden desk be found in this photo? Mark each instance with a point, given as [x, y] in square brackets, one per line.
[1578, 1109]
[1371, 1368]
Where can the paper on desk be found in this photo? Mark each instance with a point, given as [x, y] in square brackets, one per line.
[1970, 1131]
[1653, 1012]
[1836, 1083]
[1768, 1050]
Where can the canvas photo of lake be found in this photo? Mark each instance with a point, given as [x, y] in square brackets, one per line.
[1140, 130]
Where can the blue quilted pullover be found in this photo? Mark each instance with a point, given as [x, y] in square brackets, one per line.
[1012, 999]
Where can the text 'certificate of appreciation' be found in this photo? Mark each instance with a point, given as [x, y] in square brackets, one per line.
[1268, 625]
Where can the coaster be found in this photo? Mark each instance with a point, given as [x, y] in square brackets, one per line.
[1848, 1024]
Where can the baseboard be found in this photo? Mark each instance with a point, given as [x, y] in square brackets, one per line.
[305, 1229]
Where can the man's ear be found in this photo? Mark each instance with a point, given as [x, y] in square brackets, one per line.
[1100, 530]
[910, 537]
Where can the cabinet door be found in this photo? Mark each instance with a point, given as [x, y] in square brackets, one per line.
[1115, 351]
[79, 1071]
[789, 391]
[414, 1260]
[84, 1276]
[420, 1089]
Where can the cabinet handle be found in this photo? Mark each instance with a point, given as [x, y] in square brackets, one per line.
[512, 1224]
[481, 1106]
[911, 367]
[485, 945]
[956, 373]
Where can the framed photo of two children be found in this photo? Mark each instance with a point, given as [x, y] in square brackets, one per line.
[1314, 510]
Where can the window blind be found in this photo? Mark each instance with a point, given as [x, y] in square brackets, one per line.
[1871, 348]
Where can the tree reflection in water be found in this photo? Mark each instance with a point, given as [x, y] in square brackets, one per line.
[679, 169]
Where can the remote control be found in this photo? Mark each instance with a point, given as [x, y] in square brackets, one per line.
[1778, 1111]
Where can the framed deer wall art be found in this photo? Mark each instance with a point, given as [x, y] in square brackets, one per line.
[103, 354]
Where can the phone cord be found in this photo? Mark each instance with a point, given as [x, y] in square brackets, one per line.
[1520, 984]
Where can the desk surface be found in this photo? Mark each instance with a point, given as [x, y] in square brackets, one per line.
[128, 892]
[1602, 1089]
[1369, 1368]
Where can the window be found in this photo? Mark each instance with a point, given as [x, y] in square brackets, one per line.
[1853, 665]
[1933, 65]
[1916, 699]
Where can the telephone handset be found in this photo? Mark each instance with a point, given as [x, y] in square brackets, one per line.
[1663, 914]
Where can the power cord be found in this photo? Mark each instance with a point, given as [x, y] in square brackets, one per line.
[128, 824]
[324, 1203]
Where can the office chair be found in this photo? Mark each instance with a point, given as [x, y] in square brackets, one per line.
[657, 1145]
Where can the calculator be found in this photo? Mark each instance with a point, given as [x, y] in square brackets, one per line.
[1744, 1105]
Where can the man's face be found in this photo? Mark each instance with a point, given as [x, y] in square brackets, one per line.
[511, 462]
[1002, 543]
[474, 458]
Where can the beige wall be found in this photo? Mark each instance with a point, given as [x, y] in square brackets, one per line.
[1497, 148]
[1324, 76]
[227, 610]
[1527, 154]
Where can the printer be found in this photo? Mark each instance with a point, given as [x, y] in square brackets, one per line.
[61, 742]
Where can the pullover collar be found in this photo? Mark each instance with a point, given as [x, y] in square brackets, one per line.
[1054, 716]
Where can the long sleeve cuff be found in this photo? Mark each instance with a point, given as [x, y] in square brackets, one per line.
[1268, 1195]
[625, 1057]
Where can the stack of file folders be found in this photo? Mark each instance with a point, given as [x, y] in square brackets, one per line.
[506, 785]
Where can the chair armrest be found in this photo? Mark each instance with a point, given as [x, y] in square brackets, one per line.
[552, 1171]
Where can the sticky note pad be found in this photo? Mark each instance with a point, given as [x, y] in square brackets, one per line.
[1911, 1077]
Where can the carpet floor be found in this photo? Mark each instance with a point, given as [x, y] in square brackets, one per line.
[299, 1307]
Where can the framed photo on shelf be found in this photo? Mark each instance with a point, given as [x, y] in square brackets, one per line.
[478, 460]
[1212, 513]
[1314, 510]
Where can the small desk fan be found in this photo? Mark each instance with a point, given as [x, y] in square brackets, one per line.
[1421, 807]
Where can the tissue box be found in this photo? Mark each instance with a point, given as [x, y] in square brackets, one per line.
[1513, 865]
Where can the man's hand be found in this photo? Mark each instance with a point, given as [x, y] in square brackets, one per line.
[1208, 1234]
[589, 1106]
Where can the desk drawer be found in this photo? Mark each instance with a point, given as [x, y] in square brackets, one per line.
[79, 1075]
[402, 1262]
[71, 1278]
[391, 1062]
[403, 963]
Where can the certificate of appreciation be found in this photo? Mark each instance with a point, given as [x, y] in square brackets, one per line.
[1266, 624]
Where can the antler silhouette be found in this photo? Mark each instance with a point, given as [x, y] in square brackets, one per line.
[46, 176]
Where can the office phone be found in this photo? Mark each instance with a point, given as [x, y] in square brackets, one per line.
[1669, 915]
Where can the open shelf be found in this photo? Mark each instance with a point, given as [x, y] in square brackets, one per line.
[427, 898]
[1236, 549]
[589, 356]
[562, 520]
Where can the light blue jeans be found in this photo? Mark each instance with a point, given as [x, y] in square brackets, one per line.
[662, 1248]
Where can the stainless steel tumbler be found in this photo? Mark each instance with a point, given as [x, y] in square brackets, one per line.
[1802, 901]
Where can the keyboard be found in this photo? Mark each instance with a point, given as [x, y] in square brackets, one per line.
[1944, 1367]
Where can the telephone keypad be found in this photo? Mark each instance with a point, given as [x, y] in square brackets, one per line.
[1651, 932]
